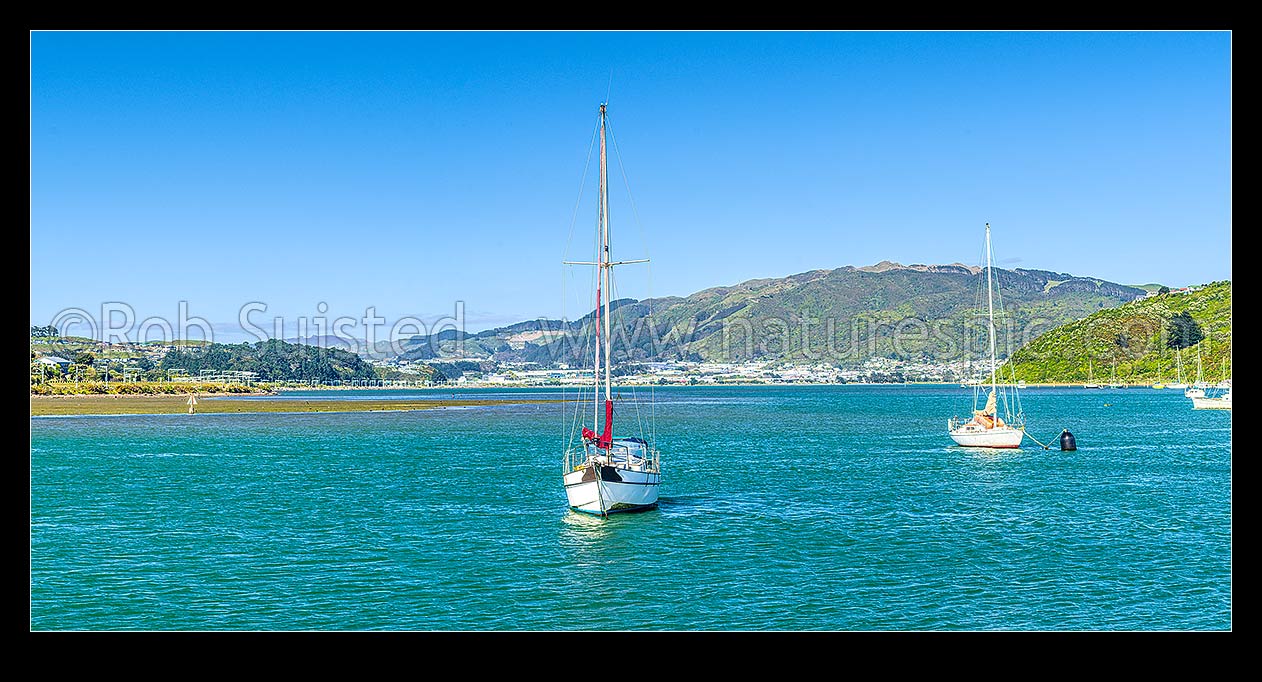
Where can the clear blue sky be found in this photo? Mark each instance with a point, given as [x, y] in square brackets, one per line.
[407, 171]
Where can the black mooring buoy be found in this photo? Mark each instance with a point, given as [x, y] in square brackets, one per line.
[1067, 441]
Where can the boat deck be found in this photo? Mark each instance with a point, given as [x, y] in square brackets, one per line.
[631, 454]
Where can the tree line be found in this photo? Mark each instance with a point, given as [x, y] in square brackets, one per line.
[273, 360]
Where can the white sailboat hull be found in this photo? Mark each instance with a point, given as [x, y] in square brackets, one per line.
[1220, 403]
[592, 494]
[1194, 393]
[999, 437]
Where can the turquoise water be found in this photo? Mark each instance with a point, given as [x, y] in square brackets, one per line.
[788, 508]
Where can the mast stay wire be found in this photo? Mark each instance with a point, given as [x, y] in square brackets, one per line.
[1013, 402]
[564, 294]
[979, 301]
[634, 393]
[635, 213]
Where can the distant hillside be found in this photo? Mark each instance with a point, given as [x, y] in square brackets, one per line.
[274, 360]
[326, 341]
[1134, 336]
[841, 316]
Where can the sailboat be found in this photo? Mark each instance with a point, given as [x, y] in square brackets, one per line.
[966, 371]
[604, 474]
[986, 429]
[1114, 383]
[1178, 360]
[1222, 402]
[1226, 380]
[1197, 390]
[1090, 378]
[1200, 382]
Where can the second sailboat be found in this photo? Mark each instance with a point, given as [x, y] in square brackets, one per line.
[986, 429]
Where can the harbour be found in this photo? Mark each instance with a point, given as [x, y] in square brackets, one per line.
[806, 519]
[325, 332]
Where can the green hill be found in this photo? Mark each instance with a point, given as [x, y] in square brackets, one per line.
[273, 360]
[841, 316]
[1134, 336]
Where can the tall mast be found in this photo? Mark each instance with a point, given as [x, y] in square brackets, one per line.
[1198, 363]
[600, 270]
[990, 306]
[605, 267]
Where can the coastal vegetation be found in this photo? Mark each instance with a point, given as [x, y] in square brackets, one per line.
[1141, 338]
[272, 360]
[72, 365]
[145, 388]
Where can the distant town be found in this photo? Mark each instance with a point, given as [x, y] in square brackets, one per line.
[873, 370]
[83, 360]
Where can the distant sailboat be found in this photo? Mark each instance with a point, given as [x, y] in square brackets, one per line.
[1114, 383]
[1200, 381]
[1090, 376]
[1222, 402]
[1225, 382]
[1197, 390]
[1178, 360]
[986, 429]
[1213, 402]
[966, 371]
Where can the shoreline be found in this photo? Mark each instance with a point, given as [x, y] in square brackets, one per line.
[120, 405]
[248, 403]
[466, 387]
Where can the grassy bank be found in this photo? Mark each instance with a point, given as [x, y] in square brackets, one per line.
[145, 388]
[1134, 337]
[176, 404]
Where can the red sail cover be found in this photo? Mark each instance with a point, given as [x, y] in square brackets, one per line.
[606, 438]
[588, 434]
